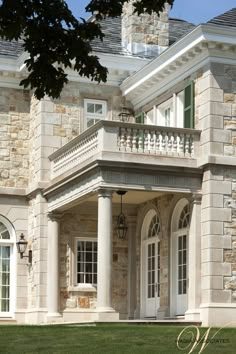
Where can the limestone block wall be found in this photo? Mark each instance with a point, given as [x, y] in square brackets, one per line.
[14, 137]
[144, 29]
[55, 122]
[82, 222]
[37, 273]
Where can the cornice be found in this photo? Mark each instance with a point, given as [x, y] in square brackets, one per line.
[204, 43]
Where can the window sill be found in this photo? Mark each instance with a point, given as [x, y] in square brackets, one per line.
[83, 288]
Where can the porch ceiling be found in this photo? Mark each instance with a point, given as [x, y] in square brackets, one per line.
[131, 197]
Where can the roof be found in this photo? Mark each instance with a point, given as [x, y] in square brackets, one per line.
[228, 18]
[11, 49]
[111, 27]
[112, 43]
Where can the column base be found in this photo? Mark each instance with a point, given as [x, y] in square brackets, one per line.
[53, 317]
[192, 315]
[218, 315]
[107, 314]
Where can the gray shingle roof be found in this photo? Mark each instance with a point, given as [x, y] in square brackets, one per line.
[11, 49]
[111, 43]
[226, 19]
[111, 27]
[178, 28]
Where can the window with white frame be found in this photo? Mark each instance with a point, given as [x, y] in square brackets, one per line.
[86, 262]
[177, 111]
[6, 267]
[94, 110]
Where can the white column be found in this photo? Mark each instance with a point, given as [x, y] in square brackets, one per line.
[53, 267]
[194, 290]
[132, 268]
[104, 286]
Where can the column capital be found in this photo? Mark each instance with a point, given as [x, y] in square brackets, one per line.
[105, 193]
[196, 198]
[52, 216]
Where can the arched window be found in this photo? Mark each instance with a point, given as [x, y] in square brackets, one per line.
[184, 219]
[6, 266]
[154, 227]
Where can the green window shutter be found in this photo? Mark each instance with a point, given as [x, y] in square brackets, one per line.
[189, 105]
[139, 118]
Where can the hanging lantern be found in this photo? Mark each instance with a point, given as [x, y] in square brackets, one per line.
[121, 227]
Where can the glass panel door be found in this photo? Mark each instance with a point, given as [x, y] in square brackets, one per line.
[4, 278]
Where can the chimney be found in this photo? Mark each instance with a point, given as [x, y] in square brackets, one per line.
[145, 34]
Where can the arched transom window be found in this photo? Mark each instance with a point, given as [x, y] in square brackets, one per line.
[184, 219]
[154, 227]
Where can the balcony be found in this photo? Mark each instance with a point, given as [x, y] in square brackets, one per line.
[129, 143]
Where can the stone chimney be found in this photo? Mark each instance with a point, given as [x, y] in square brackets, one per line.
[145, 34]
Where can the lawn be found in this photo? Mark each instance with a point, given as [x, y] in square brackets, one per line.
[109, 339]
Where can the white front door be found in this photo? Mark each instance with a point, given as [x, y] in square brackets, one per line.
[181, 273]
[151, 272]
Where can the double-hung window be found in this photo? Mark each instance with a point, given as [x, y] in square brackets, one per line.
[86, 262]
[177, 111]
[94, 110]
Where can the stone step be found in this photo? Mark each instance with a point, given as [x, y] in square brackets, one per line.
[7, 321]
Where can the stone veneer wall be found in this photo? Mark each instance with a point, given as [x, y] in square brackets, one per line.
[216, 115]
[14, 137]
[82, 222]
[144, 32]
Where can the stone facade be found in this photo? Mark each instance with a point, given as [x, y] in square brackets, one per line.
[14, 138]
[145, 33]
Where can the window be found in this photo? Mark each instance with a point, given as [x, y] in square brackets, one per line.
[86, 262]
[94, 110]
[177, 111]
[6, 267]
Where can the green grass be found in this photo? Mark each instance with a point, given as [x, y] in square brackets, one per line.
[107, 339]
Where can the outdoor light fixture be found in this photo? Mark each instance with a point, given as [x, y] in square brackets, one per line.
[21, 248]
[121, 227]
[125, 114]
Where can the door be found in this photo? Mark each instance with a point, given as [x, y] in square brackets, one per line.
[182, 276]
[179, 258]
[152, 277]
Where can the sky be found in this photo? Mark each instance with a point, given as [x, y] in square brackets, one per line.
[193, 11]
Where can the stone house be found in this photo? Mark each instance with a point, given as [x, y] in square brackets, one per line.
[63, 161]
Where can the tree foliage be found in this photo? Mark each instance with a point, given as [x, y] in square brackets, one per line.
[56, 40]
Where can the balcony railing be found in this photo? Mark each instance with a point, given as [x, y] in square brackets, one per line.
[113, 136]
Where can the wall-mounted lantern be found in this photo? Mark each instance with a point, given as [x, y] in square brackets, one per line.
[21, 248]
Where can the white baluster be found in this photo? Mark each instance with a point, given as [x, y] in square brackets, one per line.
[191, 146]
[140, 141]
[175, 143]
[181, 144]
[146, 138]
[163, 143]
[158, 142]
[128, 140]
[122, 139]
[152, 142]
[134, 141]
[169, 143]
[186, 148]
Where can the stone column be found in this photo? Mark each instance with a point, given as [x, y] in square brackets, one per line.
[194, 260]
[53, 268]
[132, 268]
[104, 286]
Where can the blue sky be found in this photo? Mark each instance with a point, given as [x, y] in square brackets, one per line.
[199, 11]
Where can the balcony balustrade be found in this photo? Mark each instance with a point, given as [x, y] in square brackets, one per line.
[128, 138]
